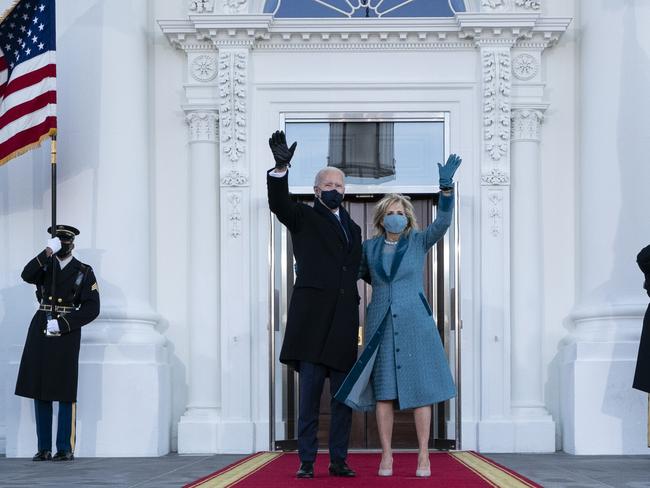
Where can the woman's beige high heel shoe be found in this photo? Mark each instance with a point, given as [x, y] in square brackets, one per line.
[386, 471]
[423, 472]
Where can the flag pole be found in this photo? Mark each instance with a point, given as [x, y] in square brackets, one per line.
[53, 228]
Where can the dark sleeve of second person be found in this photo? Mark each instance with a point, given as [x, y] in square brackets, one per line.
[281, 204]
[643, 260]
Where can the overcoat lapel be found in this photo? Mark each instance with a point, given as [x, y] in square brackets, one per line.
[64, 274]
[378, 254]
[331, 219]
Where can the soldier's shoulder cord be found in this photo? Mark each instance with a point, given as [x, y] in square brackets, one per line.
[81, 275]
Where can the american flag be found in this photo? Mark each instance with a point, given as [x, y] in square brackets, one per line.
[27, 77]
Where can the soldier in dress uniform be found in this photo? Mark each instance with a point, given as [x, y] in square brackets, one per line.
[49, 365]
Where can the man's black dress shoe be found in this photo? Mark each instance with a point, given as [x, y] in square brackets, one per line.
[42, 456]
[341, 469]
[63, 456]
[306, 470]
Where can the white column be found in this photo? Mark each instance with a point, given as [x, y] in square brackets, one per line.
[104, 182]
[535, 429]
[197, 430]
[601, 413]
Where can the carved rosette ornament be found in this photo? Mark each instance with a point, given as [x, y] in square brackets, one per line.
[232, 103]
[204, 68]
[204, 126]
[234, 6]
[496, 103]
[525, 67]
[526, 124]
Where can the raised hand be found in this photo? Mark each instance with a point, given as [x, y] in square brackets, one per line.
[447, 171]
[281, 153]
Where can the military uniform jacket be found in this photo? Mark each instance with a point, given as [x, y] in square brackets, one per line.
[642, 374]
[323, 319]
[49, 365]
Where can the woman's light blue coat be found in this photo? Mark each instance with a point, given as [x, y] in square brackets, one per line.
[422, 371]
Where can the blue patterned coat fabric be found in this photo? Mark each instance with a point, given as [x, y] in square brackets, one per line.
[422, 372]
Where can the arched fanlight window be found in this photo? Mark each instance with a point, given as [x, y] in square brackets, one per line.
[363, 8]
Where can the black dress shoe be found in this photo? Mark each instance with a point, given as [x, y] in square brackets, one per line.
[42, 456]
[341, 469]
[306, 470]
[63, 456]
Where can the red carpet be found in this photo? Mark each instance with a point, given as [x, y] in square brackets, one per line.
[448, 469]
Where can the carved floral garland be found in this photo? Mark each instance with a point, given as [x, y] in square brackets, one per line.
[496, 103]
[232, 105]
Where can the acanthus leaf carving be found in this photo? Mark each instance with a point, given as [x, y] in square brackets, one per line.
[201, 6]
[496, 103]
[232, 107]
[529, 4]
[495, 176]
[234, 178]
[526, 124]
[204, 126]
[234, 6]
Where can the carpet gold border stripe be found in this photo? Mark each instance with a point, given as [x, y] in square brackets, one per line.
[488, 471]
[240, 471]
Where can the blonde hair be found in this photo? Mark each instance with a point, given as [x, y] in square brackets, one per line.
[382, 207]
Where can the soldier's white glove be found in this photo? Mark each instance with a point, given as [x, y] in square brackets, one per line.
[54, 245]
[53, 326]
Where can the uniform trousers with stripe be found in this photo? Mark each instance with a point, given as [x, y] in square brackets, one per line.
[65, 432]
[311, 380]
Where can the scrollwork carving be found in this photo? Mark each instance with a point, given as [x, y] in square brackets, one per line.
[234, 213]
[232, 106]
[201, 6]
[495, 212]
[234, 178]
[531, 4]
[496, 103]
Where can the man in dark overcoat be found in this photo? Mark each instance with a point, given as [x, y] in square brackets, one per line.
[50, 361]
[323, 321]
[642, 375]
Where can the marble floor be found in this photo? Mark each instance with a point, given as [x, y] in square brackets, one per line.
[557, 470]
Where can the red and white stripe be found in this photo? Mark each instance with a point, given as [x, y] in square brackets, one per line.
[27, 103]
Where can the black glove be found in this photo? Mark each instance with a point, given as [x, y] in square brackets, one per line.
[281, 153]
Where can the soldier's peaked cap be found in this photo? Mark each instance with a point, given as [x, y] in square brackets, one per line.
[64, 231]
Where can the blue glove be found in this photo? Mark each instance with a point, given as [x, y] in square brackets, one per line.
[447, 171]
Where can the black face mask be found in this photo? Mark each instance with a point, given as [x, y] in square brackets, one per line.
[66, 248]
[331, 198]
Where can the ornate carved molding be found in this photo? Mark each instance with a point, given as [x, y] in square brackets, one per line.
[234, 178]
[201, 6]
[233, 76]
[234, 213]
[509, 5]
[525, 67]
[529, 4]
[266, 32]
[496, 102]
[496, 177]
[526, 124]
[495, 212]
[235, 6]
[204, 68]
[204, 126]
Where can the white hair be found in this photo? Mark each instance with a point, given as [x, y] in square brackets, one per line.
[328, 169]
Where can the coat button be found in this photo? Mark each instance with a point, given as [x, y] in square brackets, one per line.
[396, 333]
[399, 367]
[345, 268]
[397, 350]
[342, 291]
[394, 315]
[60, 300]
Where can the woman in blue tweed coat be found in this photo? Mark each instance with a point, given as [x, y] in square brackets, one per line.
[404, 362]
